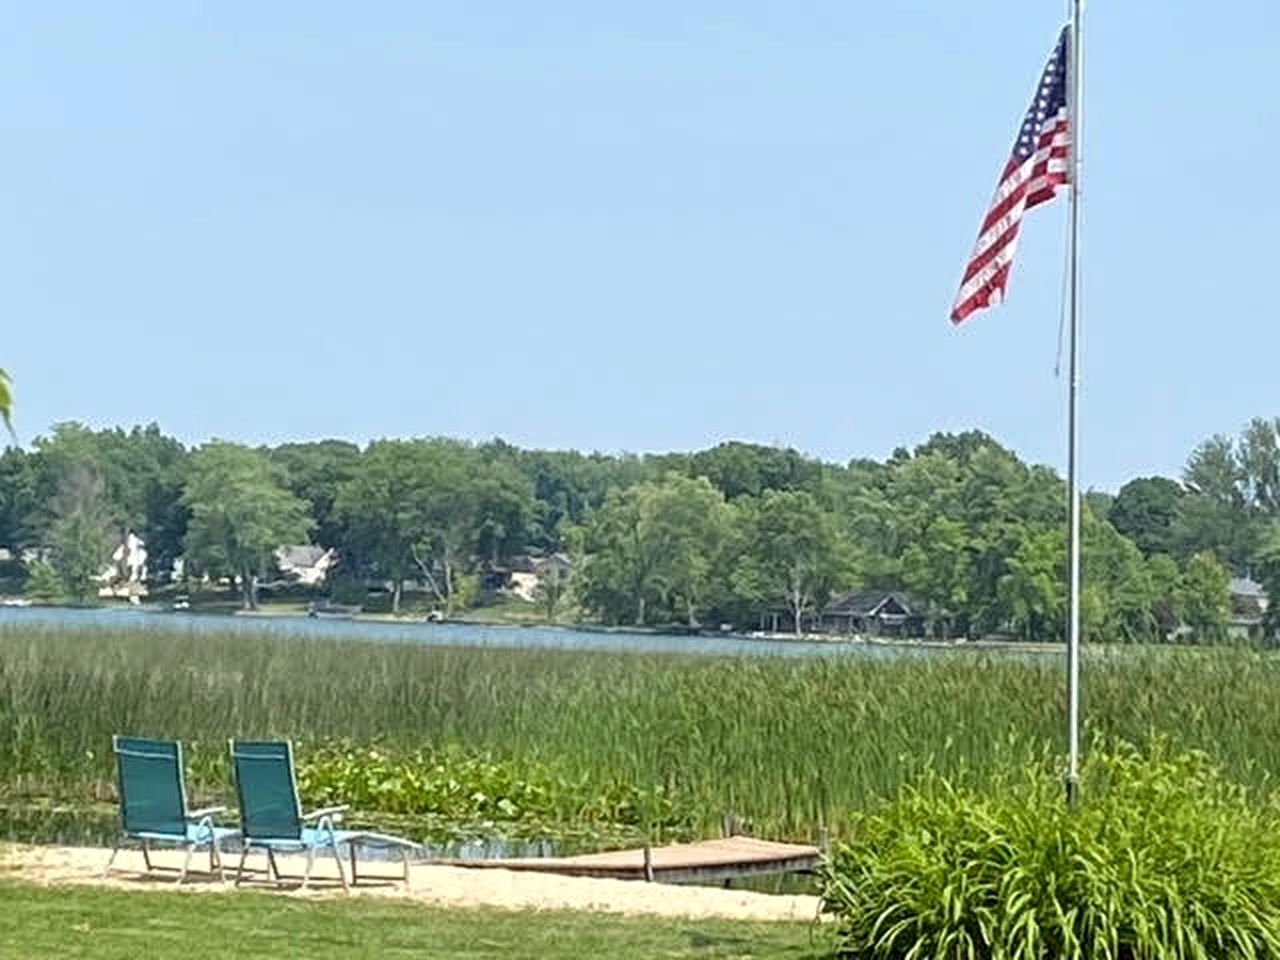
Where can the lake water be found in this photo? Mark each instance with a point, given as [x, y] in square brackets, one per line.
[448, 634]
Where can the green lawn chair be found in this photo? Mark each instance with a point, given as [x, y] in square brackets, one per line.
[153, 805]
[271, 817]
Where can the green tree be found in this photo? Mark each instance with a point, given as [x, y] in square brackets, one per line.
[78, 537]
[499, 500]
[650, 549]
[1033, 590]
[1218, 515]
[567, 485]
[417, 507]
[79, 547]
[385, 509]
[1268, 573]
[1146, 511]
[1166, 588]
[938, 569]
[140, 476]
[551, 590]
[43, 582]
[694, 523]
[1206, 596]
[1125, 594]
[1258, 464]
[241, 512]
[792, 556]
[748, 469]
[315, 472]
[20, 503]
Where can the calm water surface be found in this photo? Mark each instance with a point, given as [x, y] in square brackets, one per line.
[449, 634]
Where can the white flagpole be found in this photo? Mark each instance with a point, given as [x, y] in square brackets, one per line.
[1075, 89]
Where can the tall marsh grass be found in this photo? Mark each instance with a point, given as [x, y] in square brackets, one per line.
[786, 745]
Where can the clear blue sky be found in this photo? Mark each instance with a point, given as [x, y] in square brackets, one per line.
[628, 227]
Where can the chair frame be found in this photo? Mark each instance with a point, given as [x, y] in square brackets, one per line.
[205, 832]
[330, 838]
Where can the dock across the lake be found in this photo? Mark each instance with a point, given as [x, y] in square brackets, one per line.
[704, 861]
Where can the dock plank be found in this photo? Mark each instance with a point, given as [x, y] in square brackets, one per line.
[704, 860]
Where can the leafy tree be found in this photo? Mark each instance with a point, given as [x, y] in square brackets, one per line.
[1206, 596]
[792, 557]
[1268, 570]
[78, 537]
[938, 569]
[652, 547]
[1218, 516]
[1166, 588]
[43, 582]
[314, 472]
[500, 502]
[1100, 502]
[1258, 464]
[550, 592]
[140, 473]
[748, 469]
[20, 501]
[1146, 511]
[241, 512]
[1033, 591]
[413, 507]
[1125, 595]
[79, 546]
[384, 508]
[568, 484]
[694, 522]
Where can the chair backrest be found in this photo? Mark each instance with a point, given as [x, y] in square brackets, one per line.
[153, 797]
[268, 791]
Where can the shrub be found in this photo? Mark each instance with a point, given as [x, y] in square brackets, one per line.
[1165, 858]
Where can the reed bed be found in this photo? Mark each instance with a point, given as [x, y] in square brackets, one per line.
[789, 746]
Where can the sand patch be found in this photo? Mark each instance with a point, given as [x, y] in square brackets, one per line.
[433, 885]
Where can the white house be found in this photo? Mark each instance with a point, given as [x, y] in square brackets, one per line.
[306, 564]
[524, 582]
[126, 574]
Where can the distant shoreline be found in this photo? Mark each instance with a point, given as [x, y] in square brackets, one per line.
[284, 611]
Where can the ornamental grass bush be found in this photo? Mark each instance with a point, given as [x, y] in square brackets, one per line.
[1165, 858]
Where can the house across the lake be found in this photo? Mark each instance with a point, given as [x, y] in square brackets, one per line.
[1248, 605]
[306, 563]
[526, 573]
[875, 613]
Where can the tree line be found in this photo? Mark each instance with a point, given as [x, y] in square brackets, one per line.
[729, 535]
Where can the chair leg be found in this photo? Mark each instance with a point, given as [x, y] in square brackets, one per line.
[273, 871]
[306, 873]
[106, 871]
[404, 855]
[146, 856]
[244, 853]
[215, 861]
[342, 874]
[186, 864]
[351, 852]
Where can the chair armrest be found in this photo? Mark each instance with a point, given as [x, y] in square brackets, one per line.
[326, 812]
[204, 812]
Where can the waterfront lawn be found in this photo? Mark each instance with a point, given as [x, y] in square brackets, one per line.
[114, 925]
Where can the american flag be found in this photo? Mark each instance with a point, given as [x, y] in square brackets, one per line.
[1038, 166]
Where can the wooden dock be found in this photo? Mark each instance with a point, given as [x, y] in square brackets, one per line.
[701, 862]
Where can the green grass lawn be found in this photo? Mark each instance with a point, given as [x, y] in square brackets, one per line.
[157, 925]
